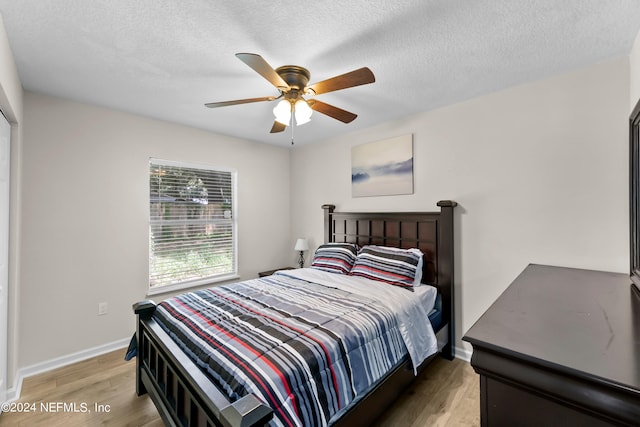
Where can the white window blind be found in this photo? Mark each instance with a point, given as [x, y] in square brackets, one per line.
[192, 228]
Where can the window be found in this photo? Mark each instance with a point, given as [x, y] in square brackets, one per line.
[192, 226]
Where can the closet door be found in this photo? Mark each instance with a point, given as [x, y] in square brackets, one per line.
[5, 156]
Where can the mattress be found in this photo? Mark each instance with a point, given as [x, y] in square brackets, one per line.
[435, 315]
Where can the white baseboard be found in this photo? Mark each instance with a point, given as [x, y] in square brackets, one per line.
[39, 368]
[463, 354]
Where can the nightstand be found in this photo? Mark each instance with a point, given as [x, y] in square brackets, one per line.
[270, 272]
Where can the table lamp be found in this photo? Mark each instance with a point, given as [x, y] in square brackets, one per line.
[301, 246]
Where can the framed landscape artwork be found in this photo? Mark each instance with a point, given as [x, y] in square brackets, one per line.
[382, 168]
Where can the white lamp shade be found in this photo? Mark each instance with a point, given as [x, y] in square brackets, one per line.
[282, 111]
[303, 112]
[301, 245]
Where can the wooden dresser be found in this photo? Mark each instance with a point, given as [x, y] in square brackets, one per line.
[560, 347]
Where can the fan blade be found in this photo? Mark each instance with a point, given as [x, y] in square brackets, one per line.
[238, 101]
[361, 76]
[262, 67]
[277, 127]
[331, 111]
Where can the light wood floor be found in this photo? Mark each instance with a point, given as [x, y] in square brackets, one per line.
[445, 394]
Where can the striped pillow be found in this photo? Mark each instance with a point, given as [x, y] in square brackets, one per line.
[400, 267]
[335, 257]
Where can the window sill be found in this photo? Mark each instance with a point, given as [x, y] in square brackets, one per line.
[189, 285]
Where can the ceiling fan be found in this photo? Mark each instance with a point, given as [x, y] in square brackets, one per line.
[291, 81]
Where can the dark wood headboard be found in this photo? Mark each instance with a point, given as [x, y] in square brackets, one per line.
[431, 232]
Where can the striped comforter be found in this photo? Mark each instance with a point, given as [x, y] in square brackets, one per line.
[307, 350]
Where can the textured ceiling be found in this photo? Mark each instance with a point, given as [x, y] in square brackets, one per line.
[166, 58]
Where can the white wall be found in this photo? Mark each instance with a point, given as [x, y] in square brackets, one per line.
[11, 105]
[539, 172]
[85, 217]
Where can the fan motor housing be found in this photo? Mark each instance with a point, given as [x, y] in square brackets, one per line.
[296, 77]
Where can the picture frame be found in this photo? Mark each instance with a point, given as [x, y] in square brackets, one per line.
[382, 168]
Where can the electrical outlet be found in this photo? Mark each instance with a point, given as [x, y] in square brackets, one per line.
[103, 308]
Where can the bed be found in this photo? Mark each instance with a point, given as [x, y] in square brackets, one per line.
[190, 389]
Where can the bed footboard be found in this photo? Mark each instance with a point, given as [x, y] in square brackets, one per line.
[180, 391]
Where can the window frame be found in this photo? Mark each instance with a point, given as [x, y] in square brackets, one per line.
[187, 284]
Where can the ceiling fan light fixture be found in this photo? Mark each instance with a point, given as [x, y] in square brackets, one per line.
[302, 112]
[292, 83]
[282, 112]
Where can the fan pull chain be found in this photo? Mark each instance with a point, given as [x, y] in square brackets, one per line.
[292, 126]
